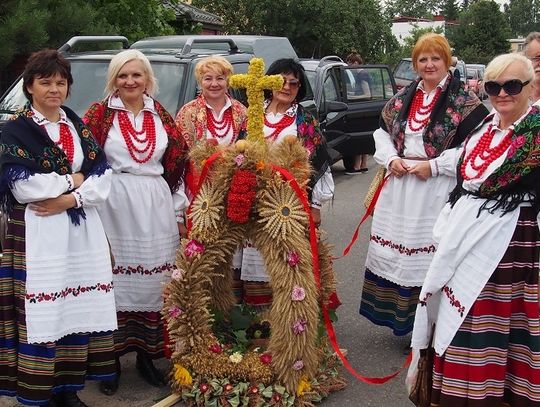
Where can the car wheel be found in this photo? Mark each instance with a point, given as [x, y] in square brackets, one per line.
[348, 163]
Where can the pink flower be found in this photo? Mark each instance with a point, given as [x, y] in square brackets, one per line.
[239, 159]
[298, 293]
[293, 258]
[430, 150]
[298, 365]
[193, 248]
[266, 358]
[177, 274]
[456, 118]
[299, 326]
[519, 141]
[175, 312]
[511, 151]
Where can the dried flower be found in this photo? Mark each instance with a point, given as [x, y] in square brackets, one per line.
[293, 258]
[177, 274]
[260, 165]
[216, 348]
[236, 357]
[303, 386]
[298, 365]
[193, 248]
[239, 159]
[175, 311]
[181, 375]
[266, 358]
[298, 293]
[299, 326]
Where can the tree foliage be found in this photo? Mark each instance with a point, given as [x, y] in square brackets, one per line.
[411, 8]
[450, 10]
[482, 33]
[314, 27]
[416, 32]
[523, 16]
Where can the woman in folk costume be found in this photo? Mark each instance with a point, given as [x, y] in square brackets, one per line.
[481, 290]
[214, 114]
[285, 116]
[58, 310]
[140, 217]
[421, 128]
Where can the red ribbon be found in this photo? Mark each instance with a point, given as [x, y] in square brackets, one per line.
[317, 273]
[369, 211]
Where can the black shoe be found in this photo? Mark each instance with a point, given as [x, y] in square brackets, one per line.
[110, 387]
[54, 401]
[354, 172]
[148, 371]
[70, 399]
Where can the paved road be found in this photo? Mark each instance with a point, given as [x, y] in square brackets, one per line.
[372, 350]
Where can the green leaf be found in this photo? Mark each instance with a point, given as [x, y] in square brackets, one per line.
[267, 392]
[234, 401]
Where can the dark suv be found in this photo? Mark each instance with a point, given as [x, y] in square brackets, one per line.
[349, 113]
[173, 60]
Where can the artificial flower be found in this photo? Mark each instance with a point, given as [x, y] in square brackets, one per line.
[298, 365]
[239, 159]
[298, 293]
[193, 248]
[303, 386]
[203, 387]
[182, 376]
[253, 389]
[177, 274]
[293, 258]
[175, 312]
[266, 358]
[260, 165]
[228, 387]
[216, 348]
[299, 326]
[236, 357]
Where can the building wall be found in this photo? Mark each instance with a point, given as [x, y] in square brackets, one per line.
[403, 30]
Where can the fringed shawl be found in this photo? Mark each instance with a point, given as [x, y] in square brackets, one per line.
[455, 115]
[99, 118]
[517, 179]
[26, 149]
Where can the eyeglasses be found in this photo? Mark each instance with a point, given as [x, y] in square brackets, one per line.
[535, 59]
[293, 83]
[512, 87]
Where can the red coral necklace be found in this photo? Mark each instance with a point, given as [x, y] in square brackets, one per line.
[485, 153]
[419, 113]
[66, 141]
[220, 128]
[131, 135]
[278, 127]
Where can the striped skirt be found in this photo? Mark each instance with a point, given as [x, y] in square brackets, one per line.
[494, 359]
[388, 304]
[140, 332]
[34, 372]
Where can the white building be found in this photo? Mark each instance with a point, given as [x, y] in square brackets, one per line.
[402, 26]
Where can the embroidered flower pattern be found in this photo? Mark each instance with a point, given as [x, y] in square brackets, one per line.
[453, 301]
[402, 249]
[74, 291]
[130, 270]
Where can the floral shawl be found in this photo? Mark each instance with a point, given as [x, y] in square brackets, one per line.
[191, 120]
[455, 115]
[517, 179]
[99, 118]
[26, 149]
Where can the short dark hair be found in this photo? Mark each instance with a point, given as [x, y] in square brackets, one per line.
[288, 66]
[44, 64]
[354, 58]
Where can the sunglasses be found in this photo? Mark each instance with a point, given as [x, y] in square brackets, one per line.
[293, 83]
[512, 87]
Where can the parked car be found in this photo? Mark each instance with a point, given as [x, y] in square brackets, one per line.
[473, 80]
[480, 68]
[348, 116]
[173, 60]
[404, 73]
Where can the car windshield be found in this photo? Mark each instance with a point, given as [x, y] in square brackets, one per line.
[89, 78]
[472, 74]
[405, 70]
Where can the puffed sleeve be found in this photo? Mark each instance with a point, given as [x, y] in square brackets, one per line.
[385, 152]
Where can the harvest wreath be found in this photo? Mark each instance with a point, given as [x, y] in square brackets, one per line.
[255, 191]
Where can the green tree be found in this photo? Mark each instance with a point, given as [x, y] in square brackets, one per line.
[450, 10]
[314, 27]
[411, 8]
[523, 16]
[416, 32]
[481, 34]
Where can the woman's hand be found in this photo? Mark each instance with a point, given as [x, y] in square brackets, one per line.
[422, 170]
[398, 168]
[182, 229]
[53, 206]
[78, 179]
[316, 215]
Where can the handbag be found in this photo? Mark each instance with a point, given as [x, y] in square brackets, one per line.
[374, 186]
[420, 393]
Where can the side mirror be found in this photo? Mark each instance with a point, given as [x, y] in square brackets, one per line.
[333, 106]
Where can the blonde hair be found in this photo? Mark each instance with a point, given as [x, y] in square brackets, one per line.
[432, 42]
[216, 64]
[122, 58]
[501, 62]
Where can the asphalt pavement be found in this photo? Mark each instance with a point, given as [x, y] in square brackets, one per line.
[372, 351]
